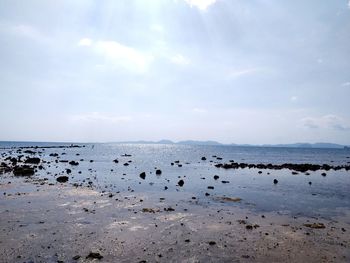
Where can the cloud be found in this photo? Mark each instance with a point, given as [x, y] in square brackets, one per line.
[201, 4]
[100, 117]
[180, 60]
[293, 99]
[119, 55]
[85, 42]
[349, 4]
[234, 73]
[346, 84]
[329, 121]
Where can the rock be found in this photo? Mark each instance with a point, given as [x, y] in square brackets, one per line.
[323, 174]
[225, 182]
[116, 161]
[181, 182]
[216, 177]
[62, 179]
[73, 163]
[33, 160]
[203, 158]
[211, 187]
[126, 164]
[53, 154]
[212, 243]
[230, 199]
[68, 171]
[76, 257]
[275, 181]
[24, 170]
[94, 255]
[143, 175]
[158, 172]
[315, 225]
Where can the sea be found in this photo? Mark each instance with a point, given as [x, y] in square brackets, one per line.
[319, 194]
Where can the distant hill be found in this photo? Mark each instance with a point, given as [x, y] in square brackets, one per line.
[191, 142]
[318, 145]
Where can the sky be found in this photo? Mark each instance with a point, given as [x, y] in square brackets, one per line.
[234, 71]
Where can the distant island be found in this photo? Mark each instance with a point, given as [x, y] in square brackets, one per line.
[319, 145]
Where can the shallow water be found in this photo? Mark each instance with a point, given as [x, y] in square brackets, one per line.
[325, 197]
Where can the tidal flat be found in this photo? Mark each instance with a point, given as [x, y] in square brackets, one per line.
[164, 203]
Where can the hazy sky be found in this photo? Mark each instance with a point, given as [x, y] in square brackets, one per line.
[257, 71]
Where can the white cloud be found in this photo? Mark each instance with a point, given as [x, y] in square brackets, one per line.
[349, 4]
[85, 42]
[119, 55]
[294, 99]
[346, 84]
[236, 73]
[200, 4]
[329, 121]
[100, 117]
[180, 60]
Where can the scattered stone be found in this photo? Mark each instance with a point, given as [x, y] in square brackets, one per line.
[143, 175]
[315, 225]
[275, 181]
[212, 243]
[62, 179]
[33, 160]
[229, 199]
[76, 257]
[158, 172]
[203, 158]
[181, 182]
[216, 177]
[73, 163]
[24, 170]
[94, 255]
[211, 187]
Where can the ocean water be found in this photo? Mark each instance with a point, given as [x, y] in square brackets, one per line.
[326, 195]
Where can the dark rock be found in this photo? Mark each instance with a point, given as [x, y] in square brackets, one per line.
[24, 170]
[181, 182]
[62, 179]
[158, 172]
[33, 160]
[76, 257]
[225, 182]
[210, 187]
[143, 175]
[73, 163]
[203, 158]
[275, 181]
[68, 171]
[94, 255]
[216, 177]
[116, 161]
[126, 164]
[323, 174]
[53, 154]
[212, 243]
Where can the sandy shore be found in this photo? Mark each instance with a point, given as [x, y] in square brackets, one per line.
[61, 223]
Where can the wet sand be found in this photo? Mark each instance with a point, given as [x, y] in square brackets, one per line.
[62, 223]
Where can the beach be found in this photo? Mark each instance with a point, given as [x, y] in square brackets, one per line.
[150, 217]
